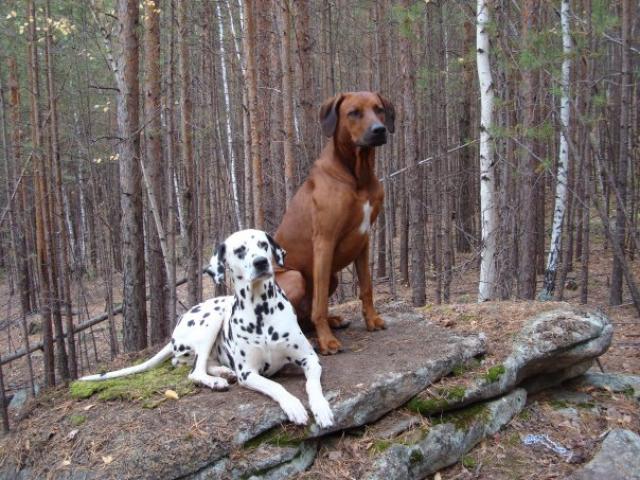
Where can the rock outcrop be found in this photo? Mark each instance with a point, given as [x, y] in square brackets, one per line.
[239, 434]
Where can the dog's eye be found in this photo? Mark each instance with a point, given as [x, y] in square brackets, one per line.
[378, 110]
[355, 113]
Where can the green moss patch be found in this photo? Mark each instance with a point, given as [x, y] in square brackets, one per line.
[77, 420]
[147, 387]
[416, 456]
[469, 462]
[463, 419]
[278, 437]
[380, 446]
[444, 399]
[494, 373]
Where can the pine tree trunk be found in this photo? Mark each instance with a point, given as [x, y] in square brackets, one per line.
[284, 20]
[19, 225]
[416, 210]
[252, 94]
[127, 74]
[42, 208]
[619, 233]
[60, 260]
[190, 193]
[159, 286]
[527, 267]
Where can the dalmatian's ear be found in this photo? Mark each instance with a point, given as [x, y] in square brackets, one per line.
[217, 263]
[278, 252]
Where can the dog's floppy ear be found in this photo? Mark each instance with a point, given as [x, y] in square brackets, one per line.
[216, 265]
[278, 252]
[389, 114]
[329, 115]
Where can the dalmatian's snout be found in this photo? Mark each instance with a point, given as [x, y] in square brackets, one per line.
[261, 267]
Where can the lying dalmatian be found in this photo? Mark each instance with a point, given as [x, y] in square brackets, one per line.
[252, 334]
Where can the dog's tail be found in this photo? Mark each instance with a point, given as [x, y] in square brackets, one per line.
[154, 361]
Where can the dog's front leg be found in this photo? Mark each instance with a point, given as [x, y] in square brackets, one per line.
[322, 260]
[371, 317]
[293, 407]
[310, 364]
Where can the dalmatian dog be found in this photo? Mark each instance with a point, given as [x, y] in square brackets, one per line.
[252, 334]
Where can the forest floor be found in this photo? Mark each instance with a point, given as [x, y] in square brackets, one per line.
[501, 457]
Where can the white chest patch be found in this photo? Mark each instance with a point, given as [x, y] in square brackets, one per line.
[366, 218]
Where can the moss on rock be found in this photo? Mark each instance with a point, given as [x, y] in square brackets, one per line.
[494, 373]
[147, 387]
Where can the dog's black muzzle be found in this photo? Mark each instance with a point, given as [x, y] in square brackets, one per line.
[375, 136]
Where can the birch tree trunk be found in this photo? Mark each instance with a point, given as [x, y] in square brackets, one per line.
[488, 214]
[563, 159]
[227, 105]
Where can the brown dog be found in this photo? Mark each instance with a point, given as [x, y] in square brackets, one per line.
[327, 223]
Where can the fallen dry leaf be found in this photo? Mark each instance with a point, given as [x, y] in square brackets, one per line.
[107, 459]
[72, 434]
[89, 407]
[66, 463]
[437, 476]
[171, 394]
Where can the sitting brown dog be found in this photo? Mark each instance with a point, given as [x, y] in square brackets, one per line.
[327, 223]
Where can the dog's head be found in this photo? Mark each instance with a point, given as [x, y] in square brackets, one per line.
[363, 118]
[248, 255]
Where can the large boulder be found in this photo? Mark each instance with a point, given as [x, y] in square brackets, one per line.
[447, 441]
[550, 348]
[618, 458]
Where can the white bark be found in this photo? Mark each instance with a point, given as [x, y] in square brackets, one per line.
[563, 159]
[488, 206]
[227, 105]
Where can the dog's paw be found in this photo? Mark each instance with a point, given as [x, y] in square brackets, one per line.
[337, 322]
[214, 383]
[322, 413]
[375, 323]
[224, 372]
[295, 411]
[329, 345]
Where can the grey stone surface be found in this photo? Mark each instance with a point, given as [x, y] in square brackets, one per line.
[552, 347]
[546, 380]
[617, 459]
[263, 458]
[302, 461]
[377, 373]
[444, 444]
[614, 382]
